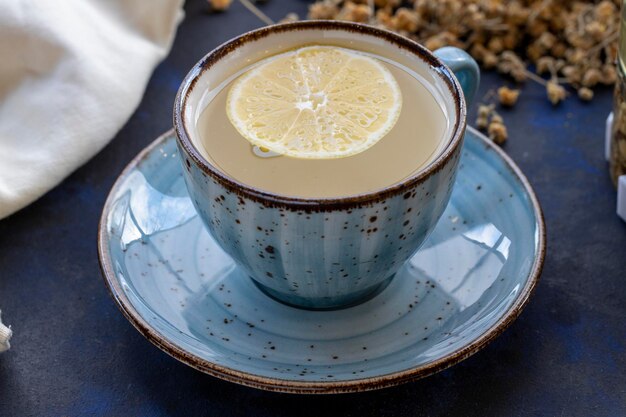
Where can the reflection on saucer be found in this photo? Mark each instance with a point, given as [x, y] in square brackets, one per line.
[479, 254]
[179, 287]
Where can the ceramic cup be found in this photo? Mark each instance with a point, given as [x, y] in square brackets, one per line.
[333, 252]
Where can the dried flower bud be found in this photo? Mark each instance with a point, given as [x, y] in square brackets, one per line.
[490, 121]
[440, 40]
[484, 110]
[535, 51]
[482, 123]
[434, 43]
[490, 60]
[517, 14]
[219, 5]
[575, 56]
[352, 12]
[545, 65]
[558, 50]
[407, 19]
[611, 51]
[495, 45]
[556, 93]
[519, 75]
[385, 19]
[546, 11]
[473, 8]
[389, 4]
[492, 7]
[580, 7]
[591, 77]
[323, 10]
[478, 51]
[290, 17]
[581, 41]
[546, 40]
[559, 64]
[609, 74]
[508, 97]
[421, 6]
[605, 10]
[497, 132]
[475, 20]
[511, 40]
[536, 27]
[596, 30]
[585, 94]
[512, 60]
[558, 22]
[572, 74]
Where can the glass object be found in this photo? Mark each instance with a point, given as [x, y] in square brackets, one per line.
[617, 159]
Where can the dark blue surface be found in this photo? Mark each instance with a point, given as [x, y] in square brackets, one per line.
[74, 354]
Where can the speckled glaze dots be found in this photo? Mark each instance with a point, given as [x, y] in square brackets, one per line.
[322, 253]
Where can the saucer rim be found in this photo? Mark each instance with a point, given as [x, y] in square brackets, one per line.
[309, 387]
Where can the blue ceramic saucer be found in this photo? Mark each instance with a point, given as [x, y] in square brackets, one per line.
[463, 288]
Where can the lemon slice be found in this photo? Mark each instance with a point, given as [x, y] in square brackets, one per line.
[315, 102]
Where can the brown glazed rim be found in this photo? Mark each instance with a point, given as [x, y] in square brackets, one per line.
[319, 204]
[301, 387]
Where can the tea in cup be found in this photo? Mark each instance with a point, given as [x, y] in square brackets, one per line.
[320, 154]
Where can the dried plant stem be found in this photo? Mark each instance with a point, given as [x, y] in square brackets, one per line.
[258, 13]
[539, 9]
[606, 41]
[534, 77]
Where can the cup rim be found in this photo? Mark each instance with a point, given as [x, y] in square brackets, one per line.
[272, 199]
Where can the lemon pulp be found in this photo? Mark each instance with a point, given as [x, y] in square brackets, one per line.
[315, 102]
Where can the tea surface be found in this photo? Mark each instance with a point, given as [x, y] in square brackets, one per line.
[413, 142]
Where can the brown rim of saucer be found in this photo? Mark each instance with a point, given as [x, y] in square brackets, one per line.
[332, 387]
[318, 204]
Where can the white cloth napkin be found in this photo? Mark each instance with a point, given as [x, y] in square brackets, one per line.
[71, 74]
[5, 336]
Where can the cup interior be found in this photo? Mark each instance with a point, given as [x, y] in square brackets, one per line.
[228, 61]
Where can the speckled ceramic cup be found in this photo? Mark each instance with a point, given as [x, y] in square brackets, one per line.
[322, 253]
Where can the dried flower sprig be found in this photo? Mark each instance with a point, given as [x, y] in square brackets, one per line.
[507, 96]
[572, 41]
[488, 120]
